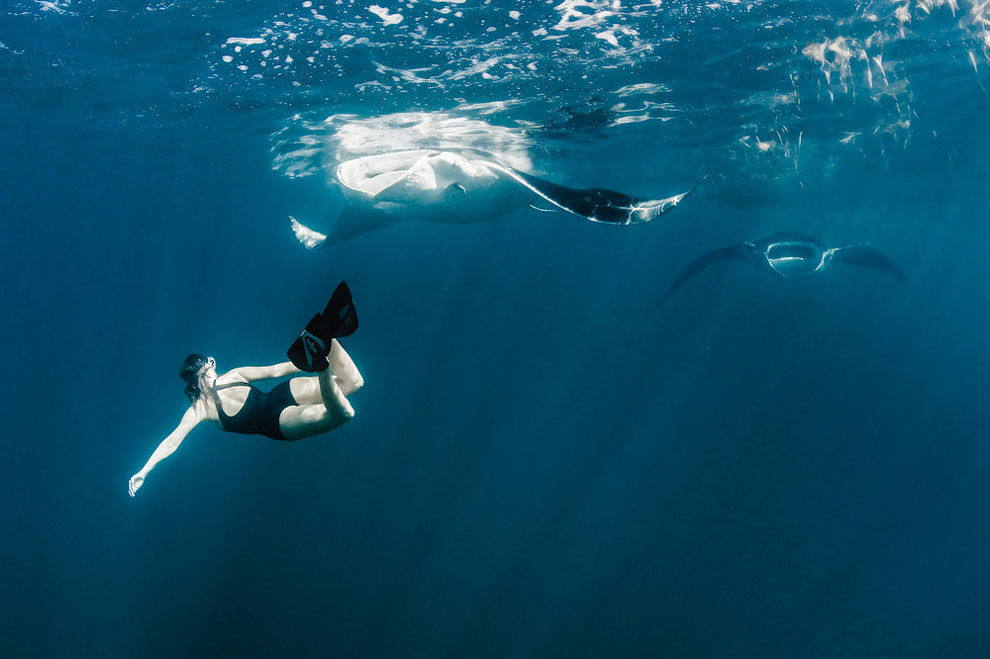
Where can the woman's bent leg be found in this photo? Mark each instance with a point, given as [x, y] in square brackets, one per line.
[306, 391]
[348, 376]
[333, 397]
[299, 421]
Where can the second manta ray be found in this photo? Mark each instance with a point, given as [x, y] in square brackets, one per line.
[791, 256]
[462, 187]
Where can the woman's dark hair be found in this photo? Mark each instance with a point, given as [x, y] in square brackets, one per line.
[190, 375]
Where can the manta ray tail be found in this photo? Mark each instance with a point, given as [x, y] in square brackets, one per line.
[868, 256]
[354, 221]
[742, 252]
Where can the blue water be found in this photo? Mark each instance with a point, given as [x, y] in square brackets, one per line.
[545, 461]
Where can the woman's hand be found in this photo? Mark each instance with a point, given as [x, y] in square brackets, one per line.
[137, 480]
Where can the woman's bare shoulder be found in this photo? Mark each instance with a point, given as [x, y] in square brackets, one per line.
[196, 413]
[231, 376]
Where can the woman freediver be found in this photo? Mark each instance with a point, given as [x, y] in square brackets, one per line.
[295, 409]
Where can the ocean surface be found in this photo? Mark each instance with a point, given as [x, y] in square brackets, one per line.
[545, 460]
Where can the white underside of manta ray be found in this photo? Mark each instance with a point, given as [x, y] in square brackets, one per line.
[463, 187]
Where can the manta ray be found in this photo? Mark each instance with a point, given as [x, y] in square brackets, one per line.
[788, 255]
[462, 187]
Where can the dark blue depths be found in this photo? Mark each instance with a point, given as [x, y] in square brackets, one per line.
[545, 461]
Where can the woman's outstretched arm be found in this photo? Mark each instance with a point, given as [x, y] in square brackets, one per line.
[165, 449]
[252, 373]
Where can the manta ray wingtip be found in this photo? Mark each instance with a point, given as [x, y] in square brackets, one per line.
[694, 188]
[662, 206]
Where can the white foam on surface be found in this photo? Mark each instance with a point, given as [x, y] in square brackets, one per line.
[56, 6]
[245, 41]
[816, 79]
[382, 13]
[642, 88]
[609, 37]
[491, 107]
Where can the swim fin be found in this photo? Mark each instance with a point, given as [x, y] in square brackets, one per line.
[340, 312]
[310, 350]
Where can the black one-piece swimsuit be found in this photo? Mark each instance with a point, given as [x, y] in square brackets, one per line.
[261, 411]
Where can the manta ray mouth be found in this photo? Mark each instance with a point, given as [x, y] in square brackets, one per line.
[791, 251]
[794, 259]
[795, 266]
